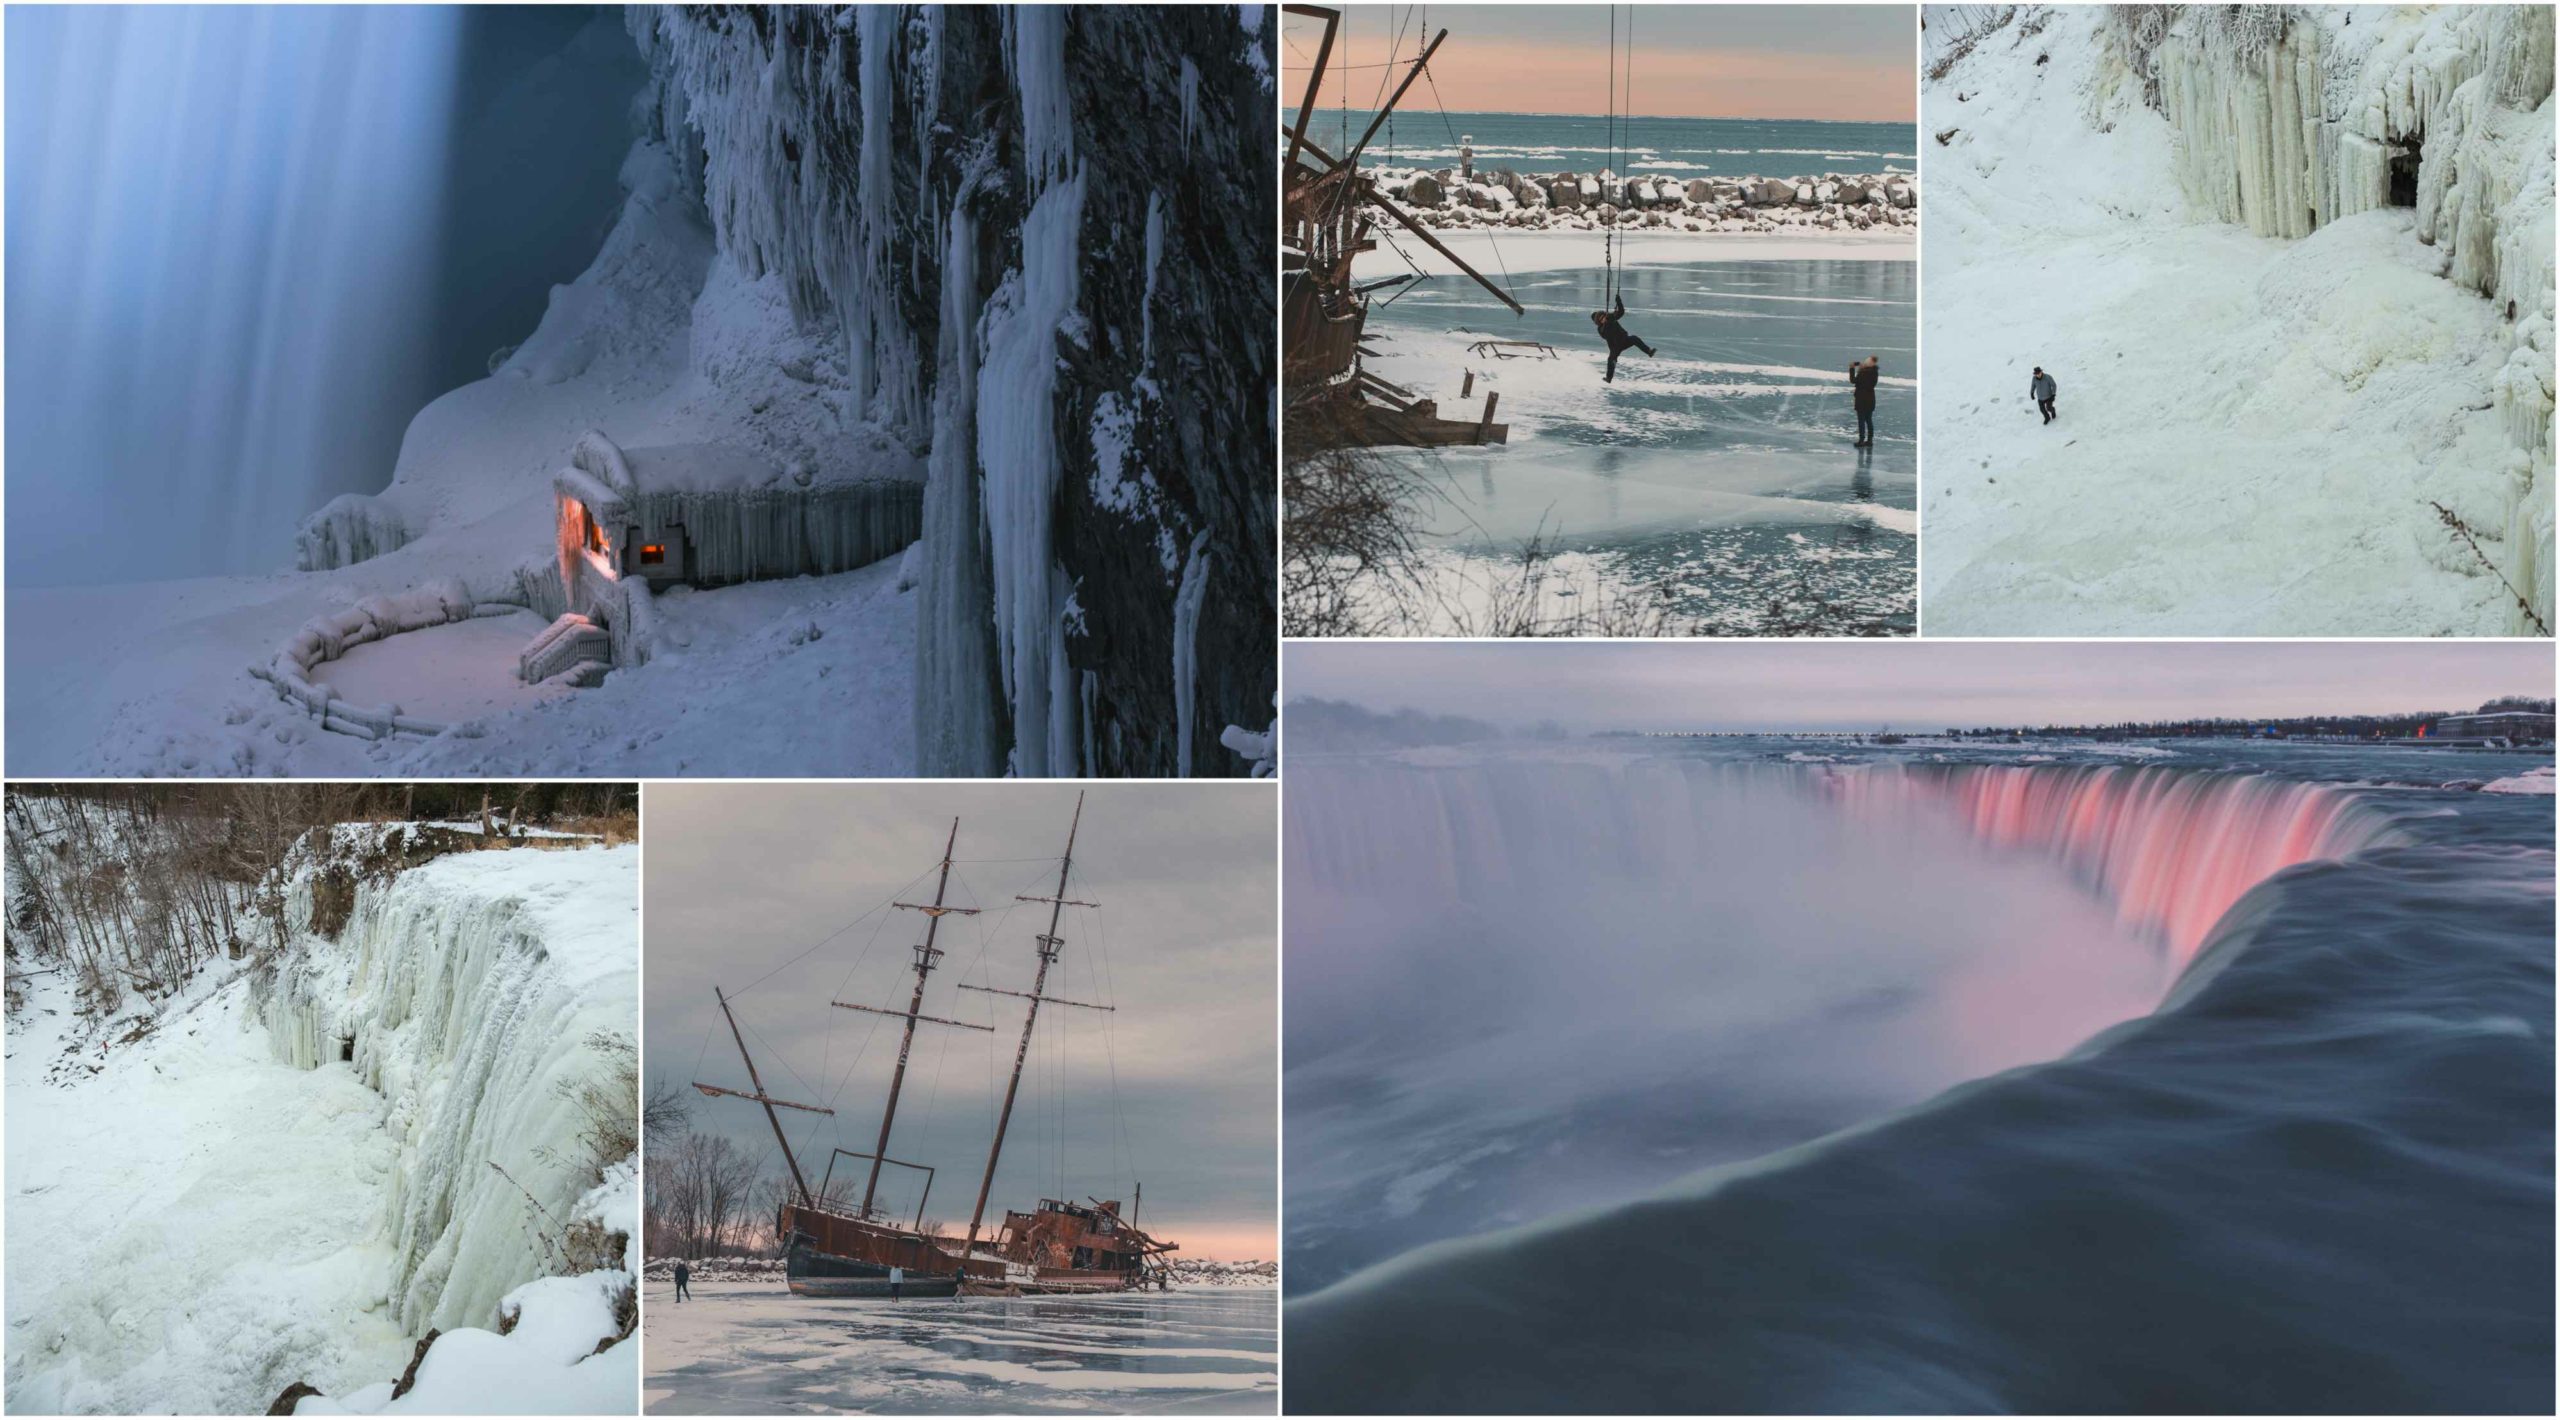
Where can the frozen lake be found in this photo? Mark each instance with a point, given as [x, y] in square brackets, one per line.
[751, 1348]
[1720, 475]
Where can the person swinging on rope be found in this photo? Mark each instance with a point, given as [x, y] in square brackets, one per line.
[1616, 334]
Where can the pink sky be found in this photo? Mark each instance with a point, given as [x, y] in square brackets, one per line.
[1691, 61]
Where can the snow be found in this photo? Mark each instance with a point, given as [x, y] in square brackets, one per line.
[461, 670]
[2283, 402]
[2532, 781]
[227, 1208]
[542, 1367]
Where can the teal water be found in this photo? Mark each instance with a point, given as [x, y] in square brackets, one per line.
[1419, 136]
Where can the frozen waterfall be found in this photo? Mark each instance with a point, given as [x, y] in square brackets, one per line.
[466, 993]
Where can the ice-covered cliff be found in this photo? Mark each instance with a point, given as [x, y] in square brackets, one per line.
[476, 994]
[2293, 269]
[2289, 119]
[1039, 237]
[282, 1171]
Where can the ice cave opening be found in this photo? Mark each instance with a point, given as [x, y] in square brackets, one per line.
[2403, 161]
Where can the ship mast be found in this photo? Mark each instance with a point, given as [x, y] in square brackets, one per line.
[927, 955]
[764, 1099]
[1049, 942]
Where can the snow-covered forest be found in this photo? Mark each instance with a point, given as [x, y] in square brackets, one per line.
[322, 1094]
[935, 344]
[2291, 269]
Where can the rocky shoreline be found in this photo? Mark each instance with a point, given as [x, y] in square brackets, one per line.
[1463, 197]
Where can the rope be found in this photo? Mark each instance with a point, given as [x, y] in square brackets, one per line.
[1609, 234]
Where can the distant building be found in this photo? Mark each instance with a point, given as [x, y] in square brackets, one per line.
[2490, 725]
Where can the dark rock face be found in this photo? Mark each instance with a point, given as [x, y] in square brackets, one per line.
[843, 147]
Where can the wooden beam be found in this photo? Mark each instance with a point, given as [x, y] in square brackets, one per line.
[760, 1099]
[1315, 76]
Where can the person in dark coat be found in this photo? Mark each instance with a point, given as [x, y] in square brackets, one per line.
[2043, 389]
[684, 1279]
[1862, 386]
[1617, 337]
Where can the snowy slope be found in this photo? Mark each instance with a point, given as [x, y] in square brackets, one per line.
[195, 1227]
[2259, 414]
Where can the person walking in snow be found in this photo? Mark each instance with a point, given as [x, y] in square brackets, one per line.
[1862, 386]
[2042, 388]
[897, 1282]
[1616, 334]
[684, 1278]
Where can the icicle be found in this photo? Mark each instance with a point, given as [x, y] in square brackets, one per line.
[1186, 656]
[957, 716]
[1155, 258]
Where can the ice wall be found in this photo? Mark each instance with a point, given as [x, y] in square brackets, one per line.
[2289, 119]
[221, 260]
[1085, 192]
[470, 987]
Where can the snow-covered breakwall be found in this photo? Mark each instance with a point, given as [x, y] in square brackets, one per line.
[468, 989]
[2289, 119]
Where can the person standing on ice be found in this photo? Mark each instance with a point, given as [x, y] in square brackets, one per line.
[1617, 337]
[897, 1282]
[2042, 388]
[684, 1276]
[1862, 386]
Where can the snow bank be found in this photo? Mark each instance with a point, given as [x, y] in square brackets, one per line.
[2532, 781]
[546, 1363]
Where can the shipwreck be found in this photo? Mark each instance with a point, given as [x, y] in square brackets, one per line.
[839, 1245]
[1330, 212]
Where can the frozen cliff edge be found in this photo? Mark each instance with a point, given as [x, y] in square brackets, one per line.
[477, 994]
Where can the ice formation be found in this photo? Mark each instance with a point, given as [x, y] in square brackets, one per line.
[284, 1173]
[469, 990]
[1049, 271]
[2289, 120]
[2369, 379]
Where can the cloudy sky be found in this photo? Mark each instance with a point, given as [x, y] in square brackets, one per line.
[1908, 684]
[1850, 62]
[775, 893]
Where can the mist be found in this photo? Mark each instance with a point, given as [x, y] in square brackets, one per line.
[247, 244]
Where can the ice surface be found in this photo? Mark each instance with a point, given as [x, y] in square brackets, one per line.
[753, 1346]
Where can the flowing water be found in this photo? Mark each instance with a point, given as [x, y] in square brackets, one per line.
[1913, 1079]
[1719, 474]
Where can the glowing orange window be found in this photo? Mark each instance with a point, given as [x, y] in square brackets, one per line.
[652, 553]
